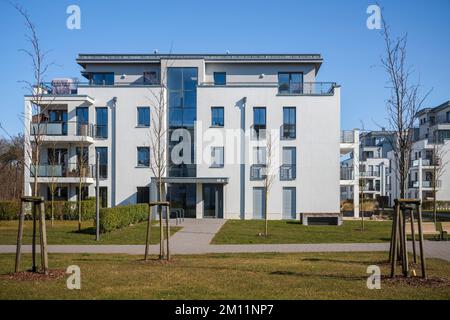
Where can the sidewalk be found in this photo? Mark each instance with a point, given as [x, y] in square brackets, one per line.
[196, 235]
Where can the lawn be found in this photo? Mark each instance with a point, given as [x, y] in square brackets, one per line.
[65, 232]
[222, 276]
[246, 232]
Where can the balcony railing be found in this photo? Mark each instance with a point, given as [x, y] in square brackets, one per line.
[347, 136]
[425, 184]
[258, 172]
[71, 88]
[257, 132]
[68, 170]
[62, 129]
[347, 173]
[425, 162]
[288, 172]
[366, 174]
[288, 131]
[297, 88]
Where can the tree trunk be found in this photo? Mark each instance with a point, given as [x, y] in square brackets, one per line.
[147, 239]
[79, 209]
[266, 229]
[161, 227]
[52, 209]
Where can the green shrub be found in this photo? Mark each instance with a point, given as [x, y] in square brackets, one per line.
[9, 210]
[68, 210]
[121, 216]
[428, 205]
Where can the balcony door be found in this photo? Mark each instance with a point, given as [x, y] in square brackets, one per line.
[213, 201]
[56, 162]
[82, 120]
[258, 202]
[289, 203]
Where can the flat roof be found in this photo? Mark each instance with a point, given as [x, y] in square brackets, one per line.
[84, 59]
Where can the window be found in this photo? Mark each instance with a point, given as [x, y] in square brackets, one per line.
[82, 165]
[60, 193]
[82, 121]
[289, 123]
[220, 78]
[143, 116]
[290, 82]
[102, 79]
[143, 195]
[103, 161]
[259, 155]
[432, 120]
[259, 121]
[150, 77]
[288, 168]
[143, 156]
[447, 115]
[101, 128]
[84, 192]
[217, 117]
[217, 157]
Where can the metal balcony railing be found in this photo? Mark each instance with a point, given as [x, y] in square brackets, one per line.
[367, 174]
[67, 170]
[71, 88]
[288, 132]
[62, 128]
[258, 172]
[258, 132]
[425, 184]
[288, 172]
[347, 136]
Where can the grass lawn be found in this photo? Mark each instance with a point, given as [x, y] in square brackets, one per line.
[246, 232]
[66, 232]
[222, 276]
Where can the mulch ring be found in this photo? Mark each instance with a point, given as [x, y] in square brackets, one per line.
[156, 261]
[53, 274]
[431, 282]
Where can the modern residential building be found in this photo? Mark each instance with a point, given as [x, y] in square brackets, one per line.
[373, 165]
[221, 109]
[430, 157]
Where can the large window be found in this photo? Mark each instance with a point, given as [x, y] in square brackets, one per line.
[82, 121]
[259, 122]
[143, 156]
[101, 128]
[289, 123]
[217, 157]
[143, 116]
[217, 118]
[288, 168]
[103, 161]
[220, 78]
[290, 82]
[102, 79]
[143, 195]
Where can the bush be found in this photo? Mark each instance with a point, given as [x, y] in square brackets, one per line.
[68, 210]
[121, 216]
[9, 210]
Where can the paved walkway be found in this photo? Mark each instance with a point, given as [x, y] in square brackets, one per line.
[196, 235]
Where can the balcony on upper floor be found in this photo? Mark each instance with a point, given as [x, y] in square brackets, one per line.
[63, 131]
[258, 172]
[64, 173]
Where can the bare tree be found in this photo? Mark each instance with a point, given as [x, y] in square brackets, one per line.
[158, 142]
[403, 103]
[439, 165]
[269, 176]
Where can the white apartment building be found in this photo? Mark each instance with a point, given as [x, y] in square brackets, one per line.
[224, 105]
[373, 165]
[430, 156]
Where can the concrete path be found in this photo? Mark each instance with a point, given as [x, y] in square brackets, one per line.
[196, 235]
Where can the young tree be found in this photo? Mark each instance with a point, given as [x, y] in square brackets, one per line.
[269, 176]
[82, 167]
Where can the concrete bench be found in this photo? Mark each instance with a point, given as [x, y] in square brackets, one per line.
[428, 228]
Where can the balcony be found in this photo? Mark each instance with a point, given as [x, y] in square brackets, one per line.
[258, 172]
[296, 89]
[69, 88]
[369, 174]
[287, 172]
[63, 173]
[70, 131]
[425, 163]
[425, 184]
[347, 136]
[347, 173]
[288, 132]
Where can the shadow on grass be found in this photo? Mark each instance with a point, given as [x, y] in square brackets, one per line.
[380, 262]
[329, 276]
[89, 231]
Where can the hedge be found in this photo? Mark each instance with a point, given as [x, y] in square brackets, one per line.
[9, 210]
[427, 205]
[121, 216]
[62, 210]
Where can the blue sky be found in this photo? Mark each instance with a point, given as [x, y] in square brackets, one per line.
[335, 29]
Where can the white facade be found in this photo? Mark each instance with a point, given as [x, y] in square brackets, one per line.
[305, 166]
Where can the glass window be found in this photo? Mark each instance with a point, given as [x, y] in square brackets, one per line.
[217, 118]
[82, 120]
[289, 122]
[217, 157]
[259, 117]
[220, 78]
[150, 77]
[143, 195]
[143, 116]
[143, 156]
[103, 161]
[102, 79]
[101, 129]
[290, 82]
[259, 155]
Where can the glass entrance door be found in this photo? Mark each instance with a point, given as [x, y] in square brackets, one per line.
[213, 201]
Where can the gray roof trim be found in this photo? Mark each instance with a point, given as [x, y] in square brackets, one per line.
[220, 180]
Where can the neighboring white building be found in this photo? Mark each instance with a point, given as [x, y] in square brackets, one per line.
[431, 138]
[211, 97]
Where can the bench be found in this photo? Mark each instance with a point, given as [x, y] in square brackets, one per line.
[428, 228]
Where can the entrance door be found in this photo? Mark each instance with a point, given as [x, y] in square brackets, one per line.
[289, 203]
[213, 201]
[258, 202]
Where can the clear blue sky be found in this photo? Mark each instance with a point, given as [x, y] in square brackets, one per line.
[335, 29]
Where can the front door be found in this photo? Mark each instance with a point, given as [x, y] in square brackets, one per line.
[213, 201]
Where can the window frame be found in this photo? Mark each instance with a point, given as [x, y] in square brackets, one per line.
[213, 156]
[138, 125]
[294, 124]
[290, 91]
[217, 108]
[224, 80]
[138, 165]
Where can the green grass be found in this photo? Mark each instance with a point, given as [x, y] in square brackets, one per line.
[246, 232]
[222, 276]
[66, 232]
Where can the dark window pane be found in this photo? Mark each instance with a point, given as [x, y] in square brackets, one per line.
[189, 79]
[176, 117]
[189, 99]
[143, 195]
[217, 117]
[103, 161]
[143, 156]
[220, 78]
[150, 77]
[143, 116]
[101, 115]
[174, 78]
[175, 100]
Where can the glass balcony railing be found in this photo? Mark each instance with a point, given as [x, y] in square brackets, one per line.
[68, 170]
[63, 129]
